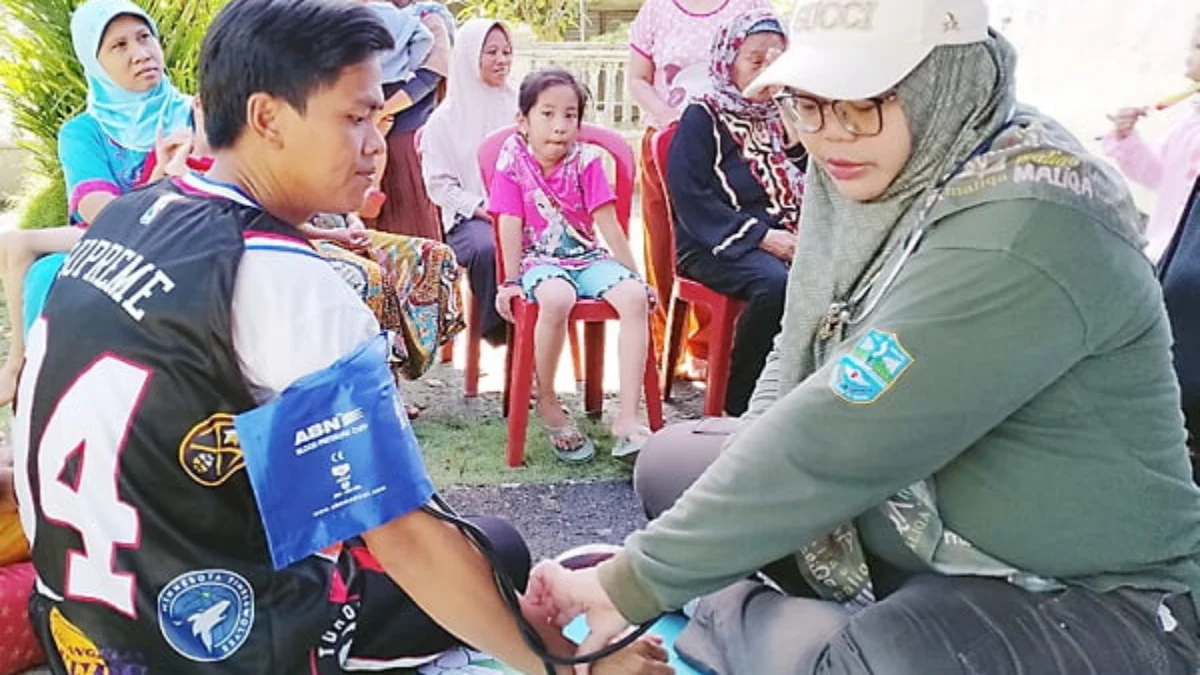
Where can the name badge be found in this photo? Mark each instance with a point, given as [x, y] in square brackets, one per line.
[333, 456]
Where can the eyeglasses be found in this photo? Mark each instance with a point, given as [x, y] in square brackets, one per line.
[806, 115]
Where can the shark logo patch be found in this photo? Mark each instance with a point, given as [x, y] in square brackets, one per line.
[870, 369]
[206, 615]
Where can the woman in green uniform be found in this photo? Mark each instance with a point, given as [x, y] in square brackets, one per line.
[967, 443]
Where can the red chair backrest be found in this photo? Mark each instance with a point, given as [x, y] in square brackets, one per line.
[660, 146]
[606, 139]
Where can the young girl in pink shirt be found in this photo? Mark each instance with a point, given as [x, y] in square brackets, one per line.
[1170, 169]
[552, 198]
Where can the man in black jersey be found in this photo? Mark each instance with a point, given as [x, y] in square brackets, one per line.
[187, 303]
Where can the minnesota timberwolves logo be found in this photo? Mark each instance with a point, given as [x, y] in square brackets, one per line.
[206, 615]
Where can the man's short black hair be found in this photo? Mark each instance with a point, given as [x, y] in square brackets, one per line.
[286, 48]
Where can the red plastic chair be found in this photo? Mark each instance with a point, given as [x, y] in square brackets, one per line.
[686, 292]
[519, 375]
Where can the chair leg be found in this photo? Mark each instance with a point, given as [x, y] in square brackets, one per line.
[654, 398]
[474, 338]
[593, 354]
[676, 319]
[465, 289]
[720, 347]
[521, 384]
[576, 358]
[508, 367]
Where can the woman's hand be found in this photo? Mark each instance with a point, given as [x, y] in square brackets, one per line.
[504, 299]
[347, 239]
[171, 153]
[779, 243]
[561, 595]
[358, 236]
[1125, 119]
[482, 214]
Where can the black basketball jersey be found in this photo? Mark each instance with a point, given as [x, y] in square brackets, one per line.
[147, 538]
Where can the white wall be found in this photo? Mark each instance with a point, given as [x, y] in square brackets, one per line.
[1080, 59]
[12, 159]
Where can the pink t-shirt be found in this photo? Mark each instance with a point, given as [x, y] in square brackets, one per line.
[548, 236]
[679, 43]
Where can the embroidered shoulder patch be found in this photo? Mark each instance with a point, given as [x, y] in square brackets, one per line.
[870, 369]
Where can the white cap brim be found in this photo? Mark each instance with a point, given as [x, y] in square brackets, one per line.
[846, 74]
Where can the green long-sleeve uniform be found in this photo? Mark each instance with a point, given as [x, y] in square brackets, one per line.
[1025, 366]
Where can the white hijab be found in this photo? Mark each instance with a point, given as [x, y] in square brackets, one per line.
[472, 109]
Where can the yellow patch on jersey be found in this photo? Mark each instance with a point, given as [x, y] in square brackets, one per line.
[78, 652]
[210, 452]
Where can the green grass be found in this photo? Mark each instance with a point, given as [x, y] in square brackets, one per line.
[44, 205]
[468, 451]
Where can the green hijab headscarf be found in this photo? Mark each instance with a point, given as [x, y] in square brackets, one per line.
[971, 144]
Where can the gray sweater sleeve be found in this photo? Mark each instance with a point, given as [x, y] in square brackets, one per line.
[821, 455]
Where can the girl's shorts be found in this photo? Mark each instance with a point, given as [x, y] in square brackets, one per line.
[590, 282]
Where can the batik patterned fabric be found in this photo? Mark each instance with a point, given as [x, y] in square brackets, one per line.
[411, 285]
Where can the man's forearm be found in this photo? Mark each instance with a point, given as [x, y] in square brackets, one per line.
[452, 582]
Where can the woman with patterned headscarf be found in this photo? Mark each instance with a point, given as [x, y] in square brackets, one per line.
[735, 193]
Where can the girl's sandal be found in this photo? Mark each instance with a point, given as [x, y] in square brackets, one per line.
[630, 444]
[570, 444]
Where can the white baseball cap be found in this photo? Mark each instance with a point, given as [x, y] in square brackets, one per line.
[855, 49]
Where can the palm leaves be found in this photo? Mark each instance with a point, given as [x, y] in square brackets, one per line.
[549, 19]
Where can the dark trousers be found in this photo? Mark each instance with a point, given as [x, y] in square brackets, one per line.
[760, 279]
[391, 625]
[474, 245]
[923, 624]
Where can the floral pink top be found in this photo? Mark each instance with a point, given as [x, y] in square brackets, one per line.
[679, 43]
[555, 208]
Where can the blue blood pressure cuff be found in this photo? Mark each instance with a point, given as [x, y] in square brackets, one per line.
[333, 456]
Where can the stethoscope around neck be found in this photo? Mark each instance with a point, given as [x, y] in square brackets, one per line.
[845, 313]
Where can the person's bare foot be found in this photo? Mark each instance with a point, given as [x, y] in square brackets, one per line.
[8, 382]
[569, 443]
[551, 412]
